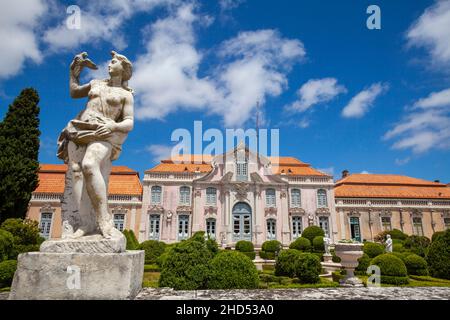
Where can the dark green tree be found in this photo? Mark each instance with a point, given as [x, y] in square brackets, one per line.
[19, 149]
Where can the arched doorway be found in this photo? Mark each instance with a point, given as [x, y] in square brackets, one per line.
[242, 222]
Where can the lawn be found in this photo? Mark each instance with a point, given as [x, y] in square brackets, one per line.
[416, 281]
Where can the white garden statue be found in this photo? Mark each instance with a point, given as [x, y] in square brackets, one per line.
[327, 243]
[388, 243]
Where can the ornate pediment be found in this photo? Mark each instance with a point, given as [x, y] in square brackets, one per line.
[270, 211]
[198, 193]
[210, 210]
[416, 213]
[322, 211]
[297, 211]
[187, 209]
[354, 213]
[47, 208]
[385, 213]
[241, 189]
[119, 210]
[155, 208]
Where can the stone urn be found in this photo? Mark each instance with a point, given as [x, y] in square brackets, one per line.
[349, 254]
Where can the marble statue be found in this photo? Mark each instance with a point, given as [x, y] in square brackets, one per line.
[388, 243]
[326, 243]
[90, 142]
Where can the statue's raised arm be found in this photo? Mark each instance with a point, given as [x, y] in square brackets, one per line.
[78, 63]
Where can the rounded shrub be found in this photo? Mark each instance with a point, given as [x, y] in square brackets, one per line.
[318, 244]
[393, 269]
[285, 264]
[438, 256]
[153, 250]
[436, 235]
[373, 249]
[311, 232]
[6, 244]
[397, 234]
[416, 265]
[7, 270]
[245, 246]
[26, 235]
[232, 270]
[271, 246]
[417, 244]
[308, 268]
[381, 236]
[301, 243]
[363, 263]
[186, 265]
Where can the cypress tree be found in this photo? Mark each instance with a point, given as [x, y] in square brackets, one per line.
[19, 149]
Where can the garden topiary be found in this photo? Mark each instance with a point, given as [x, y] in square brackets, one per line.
[438, 256]
[153, 250]
[436, 235]
[417, 244]
[186, 265]
[318, 244]
[308, 268]
[7, 269]
[397, 234]
[392, 268]
[270, 249]
[6, 245]
[26, 235]
[247, 248]
[363, 263]
[311, 232]
[301, 243]
[232, 270]
[416, 265]
[373, 249]
[285, 264]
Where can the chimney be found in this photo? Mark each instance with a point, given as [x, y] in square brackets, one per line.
[437, 181]
[345, 174]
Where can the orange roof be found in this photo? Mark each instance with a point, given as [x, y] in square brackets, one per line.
[287, 165]
[122, 181]
[389, 186]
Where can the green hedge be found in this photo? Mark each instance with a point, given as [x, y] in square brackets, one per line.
[363, 263]
[271, 246]
[391, 267]
[397, 234]
[232, 270]
[416, 265]
[6, 245]
[438, 256]
[311, 232]
[244, 246]
[266, 255]
[308, 268]
[436, 235]
[394, 280]
[417, 244]
[26, 235]
[7, 270]
[153, 250]
[132, 242]
[373, 249]
[285, 264]
[301, 243]
[338, 276]
[318, 244]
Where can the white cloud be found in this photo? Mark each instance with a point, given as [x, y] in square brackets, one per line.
[254, 66]
[360, 104]
[430, 31]
[229, 4]
[18, 21]
[159, 152]
[401, 162]
[304, 123]
[316, 91]
[425, 126]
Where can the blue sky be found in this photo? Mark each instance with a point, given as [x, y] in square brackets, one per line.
[343, 96]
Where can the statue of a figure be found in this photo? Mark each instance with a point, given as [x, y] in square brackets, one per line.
[326, 243]
[388, 243]
[90, 142]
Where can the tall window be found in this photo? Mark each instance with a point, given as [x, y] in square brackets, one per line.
[296, 198]
[46, 224]
[154, 227]
[417, 226]
[211, 196]
[271, 229]
[156, 194]
[185, 195]
[324, 224]
[241, 166]
[183, 227]
[447, 223]
[386, 223]
[296, 227]
[119, 221]
[211, 228]
[270, 198]
[355, 230]
[322, 198]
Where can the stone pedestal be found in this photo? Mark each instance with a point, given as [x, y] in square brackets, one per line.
[349, 254]
[327, 258]
[78, 276]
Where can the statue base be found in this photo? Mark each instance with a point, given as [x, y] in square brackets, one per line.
[87, 244]
[327, 257]
[78, 276]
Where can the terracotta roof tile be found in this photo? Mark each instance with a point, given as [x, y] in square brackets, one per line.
[123, 180]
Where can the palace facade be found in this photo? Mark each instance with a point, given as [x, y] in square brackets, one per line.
[241, 195]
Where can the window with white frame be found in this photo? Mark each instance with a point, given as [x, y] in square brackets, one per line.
[324, 224]
[153, 232]
[322, 198]
[447, 223]
[46, 224]
[271, 229]
[211, 228]
[417, 226]
[185, 195]
[296, 227]
[296, 198]
[270, 198]
[241, 166]
[119, 221]
[183, 227]
[211, 196]
[386, 223]
[156, 194]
